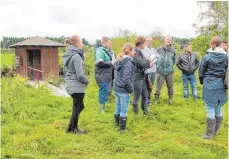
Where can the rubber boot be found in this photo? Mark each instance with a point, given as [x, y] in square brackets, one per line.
[210, 129]
[75, 128]
[217, 124]
[102, 106]
[69, 129]
[116, 117]
[156, 99]
[122, 124]
[170, 99]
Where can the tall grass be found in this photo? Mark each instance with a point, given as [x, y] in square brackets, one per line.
[34, 123]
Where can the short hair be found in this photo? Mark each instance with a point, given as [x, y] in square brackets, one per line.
[224, 42]
[140, 40]
[216, 40]
[169, 36]
[104, 39]
[72, 39]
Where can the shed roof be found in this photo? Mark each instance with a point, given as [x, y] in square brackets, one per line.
[37, 41]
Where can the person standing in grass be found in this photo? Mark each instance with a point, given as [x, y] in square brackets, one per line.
[149, 51]
[165, 68]
[123, 85]
[76, 81]
[103, 71]
[211, 75]
[188, 63]
[140, 87]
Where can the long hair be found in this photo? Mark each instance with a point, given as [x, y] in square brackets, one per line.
[126, 49]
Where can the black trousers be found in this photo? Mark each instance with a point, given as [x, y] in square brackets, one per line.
[78, 106]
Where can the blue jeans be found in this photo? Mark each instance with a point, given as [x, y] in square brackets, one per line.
[122, 103]
[104, 92]
[192, 79]
[214, 111]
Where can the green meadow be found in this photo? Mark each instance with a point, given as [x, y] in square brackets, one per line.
[34, 122]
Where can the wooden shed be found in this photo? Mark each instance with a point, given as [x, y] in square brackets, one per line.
[37, 58]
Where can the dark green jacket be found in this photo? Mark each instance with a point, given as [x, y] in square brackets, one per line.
[103, 65]
[167, 60]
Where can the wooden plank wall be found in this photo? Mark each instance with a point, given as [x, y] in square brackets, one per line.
[50, 62]
[22, 53]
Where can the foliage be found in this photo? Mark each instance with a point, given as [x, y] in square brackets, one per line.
[124, 36]
[213, 21]
[201, 44]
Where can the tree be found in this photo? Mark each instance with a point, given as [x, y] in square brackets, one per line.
[213, 20]
[157, 38]
[85, 42]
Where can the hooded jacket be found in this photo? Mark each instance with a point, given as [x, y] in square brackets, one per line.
[187, 63]
[73, 60]
[124, 76]
[211, 74]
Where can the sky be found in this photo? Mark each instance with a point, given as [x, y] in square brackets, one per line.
[93, 19]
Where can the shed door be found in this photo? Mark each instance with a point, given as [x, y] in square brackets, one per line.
[34, 61]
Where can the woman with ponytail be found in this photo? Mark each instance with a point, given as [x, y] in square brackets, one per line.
[123, 86]
[76, 81]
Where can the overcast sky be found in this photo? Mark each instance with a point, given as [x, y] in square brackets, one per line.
[93, 19]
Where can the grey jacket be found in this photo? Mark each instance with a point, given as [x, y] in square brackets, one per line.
[148, 52]
[73, 60]
[187, 63]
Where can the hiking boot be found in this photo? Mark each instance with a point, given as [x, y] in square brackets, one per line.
[210, 129]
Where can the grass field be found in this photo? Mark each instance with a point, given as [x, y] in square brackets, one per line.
[7, 59]
[34, 123]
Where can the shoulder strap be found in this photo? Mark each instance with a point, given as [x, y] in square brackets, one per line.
[108, 54]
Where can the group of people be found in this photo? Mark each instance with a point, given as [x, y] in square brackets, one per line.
[134, 71]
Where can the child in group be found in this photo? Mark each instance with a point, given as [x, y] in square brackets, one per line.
[123, 85]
